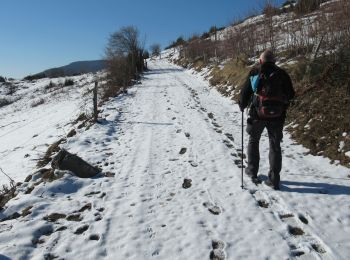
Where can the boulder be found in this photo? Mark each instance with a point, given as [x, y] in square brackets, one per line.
[71, 162]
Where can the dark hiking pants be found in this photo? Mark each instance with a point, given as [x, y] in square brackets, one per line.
[275, 133]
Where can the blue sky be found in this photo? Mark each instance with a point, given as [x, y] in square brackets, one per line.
[39, 34]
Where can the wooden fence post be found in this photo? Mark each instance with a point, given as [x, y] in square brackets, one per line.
[314, 53]
[95, 101]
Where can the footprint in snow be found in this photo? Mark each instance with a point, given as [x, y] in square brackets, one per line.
[218, 252]
[297, 252]
[210, 115]
[98, 216]
[213, 209]
[218, 244]
[263, 204]
[183, 150]
[193, 164]
[229, 136]
[303, 219]
[5, 227]
[287, 215]
[62, 228]
[216, 125]
[239, 154]
[74, 217]
[94, 237]
[81, 230]
[238, 162]
[92, 193]
[45, 230]
[187, 183]
[228, 144]
[295, 231]
[318, 248]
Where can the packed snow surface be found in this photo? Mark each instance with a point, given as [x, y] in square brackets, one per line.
[174, 127]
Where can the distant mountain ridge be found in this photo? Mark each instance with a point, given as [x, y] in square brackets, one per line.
[74, 68]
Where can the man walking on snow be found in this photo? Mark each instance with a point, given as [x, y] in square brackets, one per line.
[268, 90]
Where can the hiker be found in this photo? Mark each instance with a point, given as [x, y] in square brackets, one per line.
[268, 91]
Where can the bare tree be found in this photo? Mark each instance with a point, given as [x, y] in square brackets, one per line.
[124, 55]
[155, 49]
[125, 42]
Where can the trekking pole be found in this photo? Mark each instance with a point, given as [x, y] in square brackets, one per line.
[242, 147]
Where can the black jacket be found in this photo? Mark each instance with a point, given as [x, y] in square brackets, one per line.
[247, 91]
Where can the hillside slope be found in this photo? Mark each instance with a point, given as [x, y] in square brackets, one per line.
[171, 127]
[72, 69]
[37, 114]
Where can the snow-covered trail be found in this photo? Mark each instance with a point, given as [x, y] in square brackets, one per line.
[159, 217]
[145, 213]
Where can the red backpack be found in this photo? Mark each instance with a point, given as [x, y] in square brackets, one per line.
[269, 99]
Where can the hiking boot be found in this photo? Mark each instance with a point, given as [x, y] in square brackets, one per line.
[249, 174]
[269, 183]
[256, 180]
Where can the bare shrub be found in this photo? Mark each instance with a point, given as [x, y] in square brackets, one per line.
[125, 59]
[11, 88]
[68, 82]
[179, 41]
[5, 102]
[155, 49]
[37, 102]
[51, 150]
[51, 85]
[270, 8]
[7, 193]
[307, 6]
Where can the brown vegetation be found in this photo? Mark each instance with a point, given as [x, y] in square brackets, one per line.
[51, 150]
[7, 193]
[125, 60]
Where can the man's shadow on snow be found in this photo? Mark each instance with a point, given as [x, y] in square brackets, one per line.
[164, 71]
[315, 187]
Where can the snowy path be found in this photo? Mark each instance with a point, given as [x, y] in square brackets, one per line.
[145, 213]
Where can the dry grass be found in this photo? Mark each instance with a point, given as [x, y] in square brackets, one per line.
[233, 74]
[54, 148]
[5, 102]
[199, 64]
[321, 120]
[7, 193]
[319, 116]
[37, 102]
